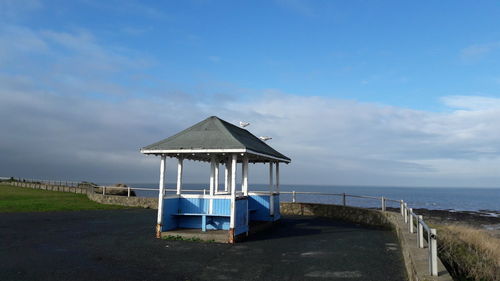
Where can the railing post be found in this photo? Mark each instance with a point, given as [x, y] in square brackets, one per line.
[411, 219]
[401, 206]
[128, 191]
[103, 190]
[433, 253]
[383, 204]
[420, 232]
[294, 197]
[343, 198]
[405, 209]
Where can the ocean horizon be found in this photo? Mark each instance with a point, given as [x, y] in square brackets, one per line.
[485, 200]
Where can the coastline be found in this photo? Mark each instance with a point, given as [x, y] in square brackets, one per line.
[484, 219]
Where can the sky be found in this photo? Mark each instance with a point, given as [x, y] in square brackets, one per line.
[380, 93]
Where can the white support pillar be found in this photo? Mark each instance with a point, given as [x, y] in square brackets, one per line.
[278, 177]
[271, 187]
[216, 180]
[244, 178]
[212, 175]
[233, 191]
[161, 190]
[212, 185]
[179, 174]
[227, 177]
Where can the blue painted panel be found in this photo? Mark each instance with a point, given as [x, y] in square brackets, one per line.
[193, 205]
[213, 223]
[222, 206]
[259, 203]
[240, 222]
[189, 221]
[277, 212]
[218, 223]
[170, 207]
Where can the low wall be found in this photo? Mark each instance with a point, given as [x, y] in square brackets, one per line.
[51, 187]
[345, 213]
[143, 202]
[416, 259]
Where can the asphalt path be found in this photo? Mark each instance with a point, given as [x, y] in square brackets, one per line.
[120, 245]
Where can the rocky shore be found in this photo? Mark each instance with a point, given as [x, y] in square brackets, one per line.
[483, 219]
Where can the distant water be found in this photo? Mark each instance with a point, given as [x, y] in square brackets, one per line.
[458, 199]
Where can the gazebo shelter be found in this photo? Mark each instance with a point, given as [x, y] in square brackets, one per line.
[224, 208]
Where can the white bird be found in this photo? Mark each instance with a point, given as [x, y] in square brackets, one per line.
[265, 138]
[244, 124]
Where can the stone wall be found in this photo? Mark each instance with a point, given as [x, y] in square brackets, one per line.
[338, 212]
[142, 202]
[51, 187]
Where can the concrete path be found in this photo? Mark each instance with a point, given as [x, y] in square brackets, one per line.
[120, 245]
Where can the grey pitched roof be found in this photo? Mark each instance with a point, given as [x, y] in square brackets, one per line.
[214, 134]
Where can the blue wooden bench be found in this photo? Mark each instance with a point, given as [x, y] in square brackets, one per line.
[203, 217]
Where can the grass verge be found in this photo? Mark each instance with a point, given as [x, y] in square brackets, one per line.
[470, 253]
[18, 199]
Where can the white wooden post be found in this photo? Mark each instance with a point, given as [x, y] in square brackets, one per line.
[405, 209]
[163, 168]
[179, 174]
[244, 171]
[401, 206]
[271, 187]
[212, 185]
[294, 198]
[383, 204]
[433, 253]
[233, 191]
[216, 180]
[227, 177]
[278, 177]
[410, 211]
[128, 191]
[420, 233]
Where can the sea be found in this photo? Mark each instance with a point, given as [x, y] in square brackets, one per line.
[484, 200]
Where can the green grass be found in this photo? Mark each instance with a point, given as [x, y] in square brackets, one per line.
[18, 199]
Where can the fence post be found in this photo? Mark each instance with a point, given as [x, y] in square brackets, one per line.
[343, 198]
[401, 206]
[405, 208]
[103, 190]
[433, 252]
[128, 191]
[383, 204]
[420, 232]
[411, 219]
[294, 197]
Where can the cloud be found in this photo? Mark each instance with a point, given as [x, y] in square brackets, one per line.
[478, 51]
[74, 111]
[15, 9]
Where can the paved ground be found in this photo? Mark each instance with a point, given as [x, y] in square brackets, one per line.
[119, 245]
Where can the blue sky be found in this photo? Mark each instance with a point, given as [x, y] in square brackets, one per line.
[352, 75]
[391, 52]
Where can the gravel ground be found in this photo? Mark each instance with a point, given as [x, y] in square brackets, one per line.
[119, 245]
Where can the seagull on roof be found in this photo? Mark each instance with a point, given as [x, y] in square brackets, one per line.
[265, 138]
[244, 124]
